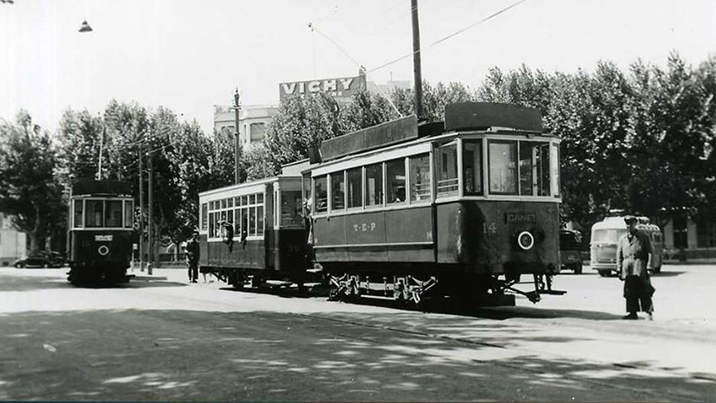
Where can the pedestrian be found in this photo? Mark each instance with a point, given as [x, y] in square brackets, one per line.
[634, 254]
[192, 256]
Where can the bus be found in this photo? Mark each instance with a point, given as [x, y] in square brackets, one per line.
[603, 245]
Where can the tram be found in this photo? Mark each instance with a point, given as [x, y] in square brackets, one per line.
[460, 208]
[466, 208]
[100, 231]
[253, 234]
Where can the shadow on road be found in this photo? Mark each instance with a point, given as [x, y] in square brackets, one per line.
[35, 283]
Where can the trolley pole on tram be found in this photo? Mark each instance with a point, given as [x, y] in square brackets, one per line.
[417, 73]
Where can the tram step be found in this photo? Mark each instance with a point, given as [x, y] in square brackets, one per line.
[552, 292]
[279, 283]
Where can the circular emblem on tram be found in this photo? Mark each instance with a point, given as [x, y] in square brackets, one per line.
[525, 240]
[103, 250]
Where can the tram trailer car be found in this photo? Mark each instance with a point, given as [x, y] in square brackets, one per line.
[101, 231]
[461, 209]
[253, 234]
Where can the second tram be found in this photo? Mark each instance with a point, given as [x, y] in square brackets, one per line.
[101, 231]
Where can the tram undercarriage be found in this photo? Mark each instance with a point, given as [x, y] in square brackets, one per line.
[486, 290]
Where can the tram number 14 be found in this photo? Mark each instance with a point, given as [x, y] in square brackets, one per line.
[489, 228]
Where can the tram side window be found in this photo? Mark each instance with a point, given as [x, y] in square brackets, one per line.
[321, 194]
[113, 213]
[94, 214]
[259, 220]
[420, 178]
[78, 214]
[338, 189]
[446, 166]
[534, 169]
[204, 216]
[355, 186]
[396, 181]
[503, 167]
[237, 222]
[252, 221]
[472, 159]
[212, 221]
[374, 185]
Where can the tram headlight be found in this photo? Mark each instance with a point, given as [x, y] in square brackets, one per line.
[525, 240]
[103, 250]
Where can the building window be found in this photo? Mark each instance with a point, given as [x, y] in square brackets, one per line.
[706, 232]
[258, 131]
[681, 231]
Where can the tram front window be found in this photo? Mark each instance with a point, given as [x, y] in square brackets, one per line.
[472, 160]
[78, 214]
[534, 169]
[129, 214]
[503, 167]
[291, 209]
[94, 213]
[447, 170]
[113, 213]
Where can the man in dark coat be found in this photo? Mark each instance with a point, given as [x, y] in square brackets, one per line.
[192, 256]
[634, 253]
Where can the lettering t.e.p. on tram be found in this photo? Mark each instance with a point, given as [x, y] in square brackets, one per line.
[460, 208]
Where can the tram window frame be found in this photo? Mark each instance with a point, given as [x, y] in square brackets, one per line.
[374, 172]
[472, 175]
[204, 216]
[420, 189]
[111, 210]
[320, 190]
[555, 177]
[95, 223]
[81, 211]
[394, 192]
[446, 157]
[354, 188]
[290, 210]
[492, 165]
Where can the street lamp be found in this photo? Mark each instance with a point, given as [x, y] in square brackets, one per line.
[85, 27]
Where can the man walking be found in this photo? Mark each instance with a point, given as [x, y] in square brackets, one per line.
[192, 256]
[634, 255]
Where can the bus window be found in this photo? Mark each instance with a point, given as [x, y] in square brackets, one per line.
[338, 188]
[78, 214]
[321, 193]
[93, 218]
[374, 185]
[472, 160]
[113, 213]
[446, 165]
[396, 181]
[503, 167]
[610, 236]
[291, 209]
[355, 187]
[420, 178]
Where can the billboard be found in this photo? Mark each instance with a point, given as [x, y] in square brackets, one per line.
[341, 89]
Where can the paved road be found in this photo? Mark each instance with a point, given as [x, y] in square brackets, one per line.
[161, 339]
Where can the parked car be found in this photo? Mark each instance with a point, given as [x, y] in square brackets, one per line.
[570, 250]
[41, 259]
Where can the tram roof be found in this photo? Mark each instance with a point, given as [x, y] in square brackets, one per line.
[245, 185]
[101, 188]
[461, 116]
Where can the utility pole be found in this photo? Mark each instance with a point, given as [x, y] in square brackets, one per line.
[237, 144]
[417, 74]
[150, 223]
[101, 145]
[141, 204]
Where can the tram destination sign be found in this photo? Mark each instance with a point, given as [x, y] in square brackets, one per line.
[340, 89]
[520, 217]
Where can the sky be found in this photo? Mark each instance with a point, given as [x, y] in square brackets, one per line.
[190, 55]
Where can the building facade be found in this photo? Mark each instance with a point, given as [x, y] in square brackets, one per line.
[253, 123]
[13, 243]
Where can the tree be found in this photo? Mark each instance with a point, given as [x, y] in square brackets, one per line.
[28, 189]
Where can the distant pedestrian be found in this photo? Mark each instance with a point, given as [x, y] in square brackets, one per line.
[192, 256]
[634, 254]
